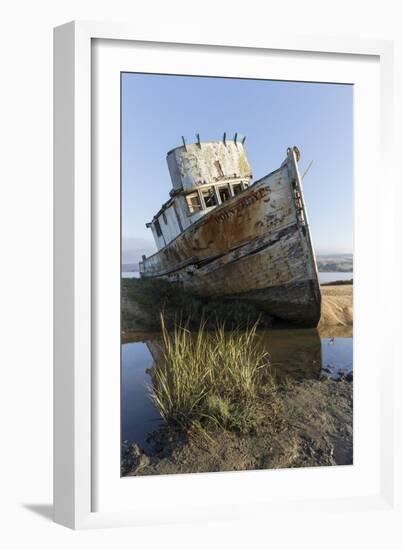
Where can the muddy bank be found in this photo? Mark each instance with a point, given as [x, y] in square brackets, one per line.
[143, 300]
[311, 424]
[337, 305]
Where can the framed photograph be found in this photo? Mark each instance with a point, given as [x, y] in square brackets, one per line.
[219, 233]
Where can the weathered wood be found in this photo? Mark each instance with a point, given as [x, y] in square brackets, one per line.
[255, 246]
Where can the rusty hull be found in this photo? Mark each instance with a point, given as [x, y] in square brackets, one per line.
[255, 247]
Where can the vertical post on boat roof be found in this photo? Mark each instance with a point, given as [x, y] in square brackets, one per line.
[235, 137]
[184, 143]
[198, 140]
[225, 138]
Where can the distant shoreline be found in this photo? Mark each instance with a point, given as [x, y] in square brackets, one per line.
[337, 283]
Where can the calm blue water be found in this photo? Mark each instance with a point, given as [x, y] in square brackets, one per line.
[330, 277]
[300, 354]
[337, 356]
[139, 415]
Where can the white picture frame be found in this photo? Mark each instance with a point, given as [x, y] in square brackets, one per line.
[80, 424]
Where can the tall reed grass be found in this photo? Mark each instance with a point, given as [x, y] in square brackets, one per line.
[209, 378]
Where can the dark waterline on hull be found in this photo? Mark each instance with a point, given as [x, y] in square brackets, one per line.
[324, 276]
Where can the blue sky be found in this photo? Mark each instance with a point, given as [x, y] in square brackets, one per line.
[158, 109]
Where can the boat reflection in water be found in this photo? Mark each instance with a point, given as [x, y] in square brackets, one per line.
[293, 353]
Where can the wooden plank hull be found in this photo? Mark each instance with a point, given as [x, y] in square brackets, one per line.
[254, 247]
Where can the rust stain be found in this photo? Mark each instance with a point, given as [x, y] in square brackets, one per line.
[241, 205]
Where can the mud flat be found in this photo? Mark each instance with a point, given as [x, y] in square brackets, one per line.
[311, 424]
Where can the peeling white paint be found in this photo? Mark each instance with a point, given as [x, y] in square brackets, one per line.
[194, 169]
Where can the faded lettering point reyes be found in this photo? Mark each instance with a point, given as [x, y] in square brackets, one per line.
[220, 234]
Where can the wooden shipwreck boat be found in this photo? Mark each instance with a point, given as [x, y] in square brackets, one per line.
[219, 234]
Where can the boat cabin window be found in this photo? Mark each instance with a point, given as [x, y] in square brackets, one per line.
[194, 203]
[158, 228]
[237, 188]
[209, 197]
[245, 184]
[224, 193]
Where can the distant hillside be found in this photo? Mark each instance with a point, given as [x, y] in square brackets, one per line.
[132, 251]
[130, 267]
[335, 262]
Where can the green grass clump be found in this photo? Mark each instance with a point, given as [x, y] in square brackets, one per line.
[209, 378]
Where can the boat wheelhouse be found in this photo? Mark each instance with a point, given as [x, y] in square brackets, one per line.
[204, 176]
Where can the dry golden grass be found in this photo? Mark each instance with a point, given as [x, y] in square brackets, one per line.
[337, 305]
[209, 378]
